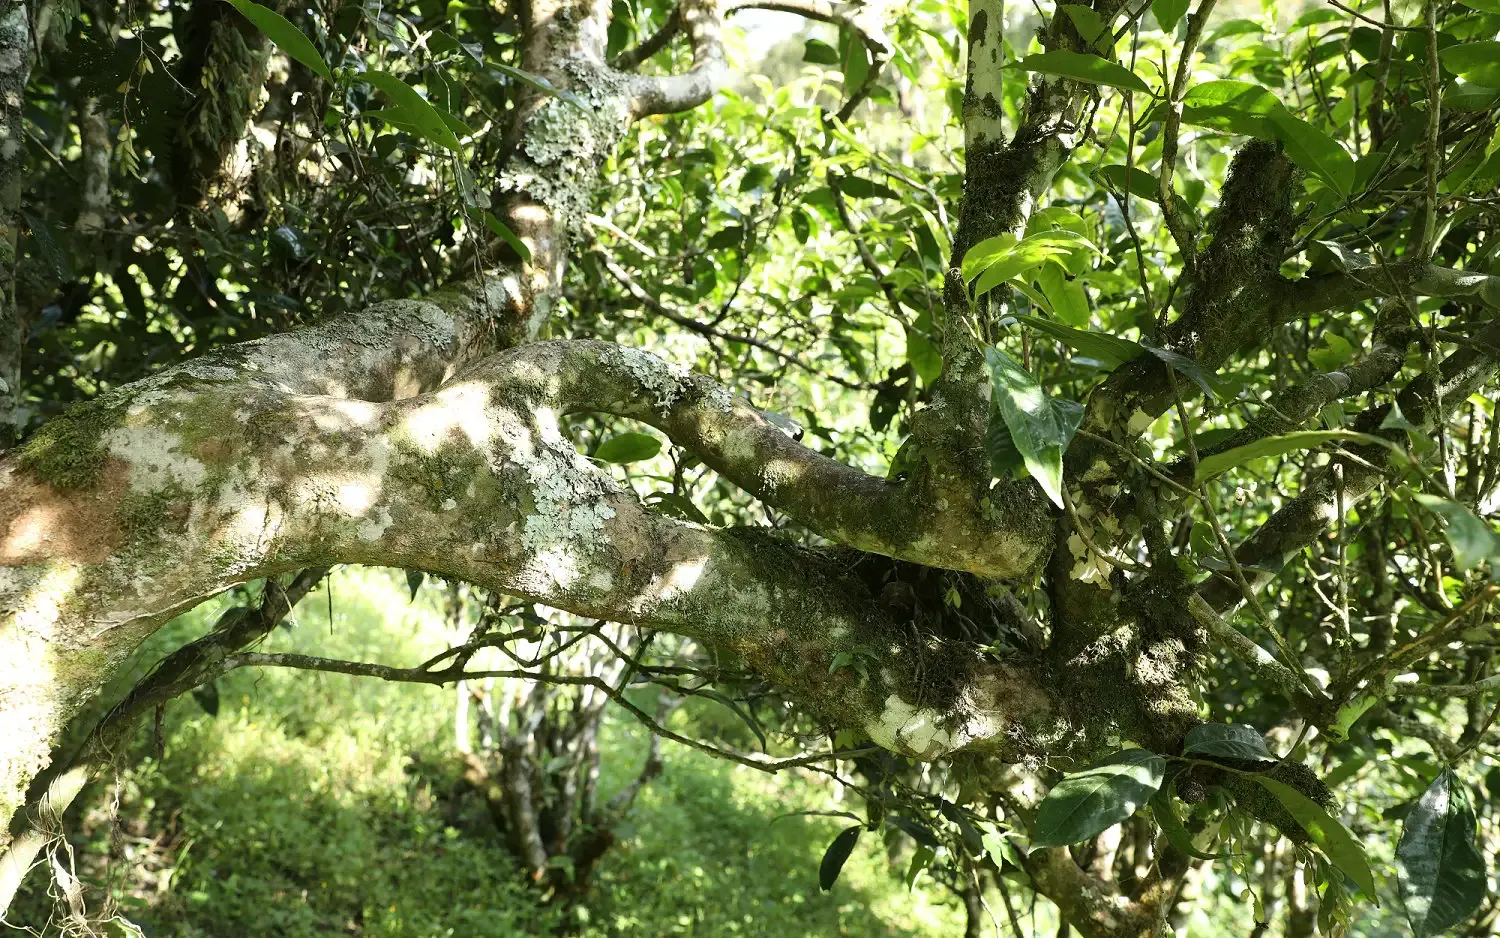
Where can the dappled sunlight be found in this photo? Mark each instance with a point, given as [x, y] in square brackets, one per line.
[460, 409]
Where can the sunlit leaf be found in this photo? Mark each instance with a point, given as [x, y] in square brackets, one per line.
[288, 38]
[1087, 803]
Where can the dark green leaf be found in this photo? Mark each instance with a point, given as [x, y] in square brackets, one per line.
[1211, 466]
[48, 247]
[1168, 12]
[1109, 350]
[834, 857]
[862, 188]
[1090, 802]
[1184, 366]
[1040, 427]
[288, 38]
[918, 832]
[1177, 833]
[207, 696]
[414, 579]
[1471, 539]
[679, 506]
[819, 52]
[628, 447]
[414, 109]
[1442, 872]
[1081, 66]
[541, 84]
[1326, 831]
[1227, 741]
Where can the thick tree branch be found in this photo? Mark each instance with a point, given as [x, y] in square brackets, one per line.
[673, 93]
[1416, 277]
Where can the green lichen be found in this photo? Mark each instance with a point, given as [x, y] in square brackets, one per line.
[68, 452]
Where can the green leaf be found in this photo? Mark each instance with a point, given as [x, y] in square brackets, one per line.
[1244, 108]
[288, 38]
[48, 246]
[1090, 802]
[1332, 354]
[921, 859]
[1471, 539]
[1227, 741]
[1081, 66]
[986, 253]
[924, 356]
[1442, 873]
[1089, 25]
[834, 857]
[1277, 445]
[541, 84]
[1326, 831]
[1315, 151]
[819, 52]
[1137, 182]
[1110, 350]
[862, 188]
[1234, 106]
[414, 579]
[414, 109]
[1184, 366]
[1168, 12]
[1065, 295]
[628, 447]
[679, 506]
[1477, 62]
[1040, 427]
[503, 232]
[1176, 831]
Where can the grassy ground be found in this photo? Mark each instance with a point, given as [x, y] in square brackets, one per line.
[293, 813]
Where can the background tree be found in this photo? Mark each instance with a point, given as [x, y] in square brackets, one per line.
[1028, 421]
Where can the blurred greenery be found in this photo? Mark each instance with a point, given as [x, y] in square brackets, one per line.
[294, 813]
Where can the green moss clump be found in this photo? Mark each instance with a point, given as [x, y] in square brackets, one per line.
[442, 474]
[146, 518]
[68, 451]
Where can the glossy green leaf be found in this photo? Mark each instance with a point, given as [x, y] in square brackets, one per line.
[1326, 831]
[414, 109]
[1227, 741]
[679, 506]
[628, 447]
[1269, 446]
[1082, 66]
[288, 38]
[1087, 803]
[1477, 62]
[1040, 427]
[1471, 539]
[1111, 351]
[835, 856]
[1089, 25]
[1442, 873]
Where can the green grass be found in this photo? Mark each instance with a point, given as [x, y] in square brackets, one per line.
[292, 814]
